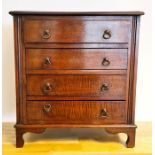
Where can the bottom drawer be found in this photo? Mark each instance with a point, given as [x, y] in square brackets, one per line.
[76, 112]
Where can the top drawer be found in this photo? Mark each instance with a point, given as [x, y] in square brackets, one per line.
[64, 30]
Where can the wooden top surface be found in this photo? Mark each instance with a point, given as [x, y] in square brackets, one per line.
[121, 13]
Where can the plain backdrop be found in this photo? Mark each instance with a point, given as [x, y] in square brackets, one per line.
[144, 95]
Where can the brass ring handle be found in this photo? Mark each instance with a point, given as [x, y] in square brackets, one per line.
[103, 113]
[47, 88]
[104, 87]
[107, 34]
[46, 34]
[47, 61]
[105, 62]
[47, 107]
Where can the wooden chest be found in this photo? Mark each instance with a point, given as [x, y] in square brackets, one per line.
[76, 70]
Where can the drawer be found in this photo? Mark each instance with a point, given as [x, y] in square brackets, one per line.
[76, 31]
[100, 86]
[76, 59]
[75, 112]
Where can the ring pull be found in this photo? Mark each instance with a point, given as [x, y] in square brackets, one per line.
[47, 61]
[46, 34]
[104, 87]
[107, 34]
[47, 88]
[47, 107]
[105, 62]
[103, 113]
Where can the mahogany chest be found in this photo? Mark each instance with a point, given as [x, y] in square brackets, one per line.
[76, 70]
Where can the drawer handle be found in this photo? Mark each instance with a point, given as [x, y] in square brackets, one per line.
[47, 88]
[103, 113]
[47, 107]
[107, 34]
[46, 34]
[104, 87]
[47, 61]
[105, 62]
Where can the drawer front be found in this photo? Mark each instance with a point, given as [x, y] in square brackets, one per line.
[76, 31]
[75, 112]
[76, 59]
[109, 87]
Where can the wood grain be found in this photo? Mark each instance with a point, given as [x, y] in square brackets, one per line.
[78, 85]
[71, 31]
[99, 13]
[76, 59]
[61, 76]
[76, 112]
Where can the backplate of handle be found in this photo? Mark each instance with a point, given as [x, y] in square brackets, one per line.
[47, 87]
[47, 107]
[46, 34]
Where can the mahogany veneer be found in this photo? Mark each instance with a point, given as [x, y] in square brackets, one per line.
[76, 70]
[75, 112]
[76, 58]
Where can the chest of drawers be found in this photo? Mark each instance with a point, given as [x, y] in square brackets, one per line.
[76, 70]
